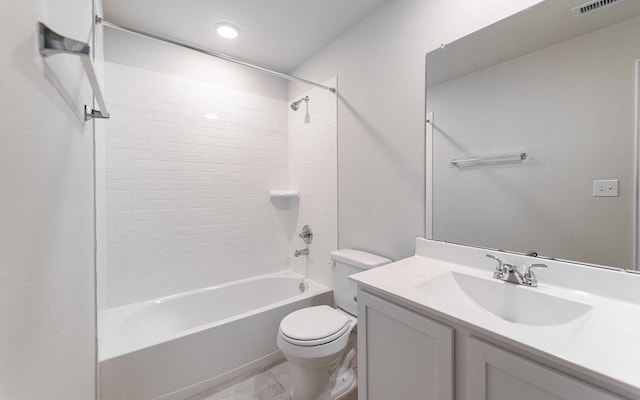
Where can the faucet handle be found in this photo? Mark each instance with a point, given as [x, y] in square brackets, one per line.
[499, 272]
[529, 276]
[495, 258]
[306, 235]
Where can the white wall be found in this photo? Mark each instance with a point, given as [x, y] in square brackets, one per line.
[542, 103]
[187, 198]
[47, 297]
[136, 51]
[313, 170]
[380, 65]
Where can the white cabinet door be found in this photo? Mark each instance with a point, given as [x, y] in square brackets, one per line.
[496, 374]
[402, 355]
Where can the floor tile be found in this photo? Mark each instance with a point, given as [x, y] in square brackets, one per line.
[270, 383]
[283, 374]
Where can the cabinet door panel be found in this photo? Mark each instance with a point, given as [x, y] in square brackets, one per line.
[402, 355]
[496, 374]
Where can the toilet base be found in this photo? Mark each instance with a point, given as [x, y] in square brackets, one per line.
[311, 384]
[344, 384]
[331, 383]
[340, 387]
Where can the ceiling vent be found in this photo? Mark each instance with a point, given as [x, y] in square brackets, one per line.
[592, 6]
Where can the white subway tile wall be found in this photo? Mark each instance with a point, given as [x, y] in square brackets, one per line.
[313, 169]
[183, 174]
[187, 169]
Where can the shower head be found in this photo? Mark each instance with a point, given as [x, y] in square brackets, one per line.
[296, 104]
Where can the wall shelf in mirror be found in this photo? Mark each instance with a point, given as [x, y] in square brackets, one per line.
[490, 160]
[284, 194]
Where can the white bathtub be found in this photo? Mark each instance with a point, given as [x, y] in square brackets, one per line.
[177, 346]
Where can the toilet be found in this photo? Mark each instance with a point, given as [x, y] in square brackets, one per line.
[320, 341]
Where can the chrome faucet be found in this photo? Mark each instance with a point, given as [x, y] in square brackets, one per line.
[509, 273]
[303, 252]
[529, 276]
[506, 272]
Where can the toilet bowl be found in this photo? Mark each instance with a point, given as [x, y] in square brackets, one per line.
[320, 341]
[315, 341]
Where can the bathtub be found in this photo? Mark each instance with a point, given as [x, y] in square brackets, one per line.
[174, 347]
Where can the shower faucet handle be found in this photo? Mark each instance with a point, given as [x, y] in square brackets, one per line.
[306, 234]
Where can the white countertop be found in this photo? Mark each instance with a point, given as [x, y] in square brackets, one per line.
[603, 343]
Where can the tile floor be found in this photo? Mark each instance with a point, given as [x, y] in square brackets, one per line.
[270, 383]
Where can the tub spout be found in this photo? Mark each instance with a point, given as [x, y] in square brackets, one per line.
[303, 252]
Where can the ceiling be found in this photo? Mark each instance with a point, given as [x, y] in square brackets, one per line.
[276, 34]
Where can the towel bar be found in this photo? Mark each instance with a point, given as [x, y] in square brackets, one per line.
[52, 43]
[501, 159]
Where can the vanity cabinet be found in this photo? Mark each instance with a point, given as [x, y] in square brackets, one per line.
[402, 354]
[497, 374]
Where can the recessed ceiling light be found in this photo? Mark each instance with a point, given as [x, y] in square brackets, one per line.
[227, 30]
[211, 116]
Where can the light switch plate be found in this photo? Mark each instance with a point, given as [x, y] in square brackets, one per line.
[605, 188]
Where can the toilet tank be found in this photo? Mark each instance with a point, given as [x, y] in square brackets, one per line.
[346, 262]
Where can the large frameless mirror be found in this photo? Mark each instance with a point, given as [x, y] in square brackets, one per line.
[531, 134]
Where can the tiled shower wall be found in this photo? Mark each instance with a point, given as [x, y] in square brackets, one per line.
[313, 170]
[186, 198]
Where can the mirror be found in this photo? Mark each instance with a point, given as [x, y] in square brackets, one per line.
[541, 109]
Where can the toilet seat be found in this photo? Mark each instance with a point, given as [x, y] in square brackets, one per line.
[318, 341]
[314, 326]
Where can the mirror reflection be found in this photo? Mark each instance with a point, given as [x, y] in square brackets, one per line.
[540, 110]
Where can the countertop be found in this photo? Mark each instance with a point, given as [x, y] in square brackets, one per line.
[603, 343]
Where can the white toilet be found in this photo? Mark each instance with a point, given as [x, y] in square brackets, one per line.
[320, 341]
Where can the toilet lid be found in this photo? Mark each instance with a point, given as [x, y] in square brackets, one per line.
[313, 323]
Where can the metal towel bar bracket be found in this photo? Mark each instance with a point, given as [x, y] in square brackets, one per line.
[52, 43]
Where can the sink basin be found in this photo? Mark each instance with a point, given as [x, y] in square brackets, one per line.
[510, 302]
